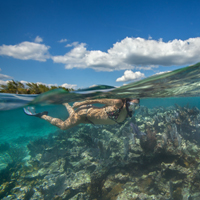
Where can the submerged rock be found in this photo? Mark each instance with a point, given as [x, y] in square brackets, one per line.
[154, 155]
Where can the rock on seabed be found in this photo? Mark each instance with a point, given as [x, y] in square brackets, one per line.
[113, 162]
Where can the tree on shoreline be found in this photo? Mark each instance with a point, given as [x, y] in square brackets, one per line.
[31, 88]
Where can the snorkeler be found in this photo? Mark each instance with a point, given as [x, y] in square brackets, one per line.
[115, 111]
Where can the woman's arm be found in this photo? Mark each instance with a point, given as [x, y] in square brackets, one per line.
[107, 102]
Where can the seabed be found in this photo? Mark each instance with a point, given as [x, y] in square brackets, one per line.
[153, 155]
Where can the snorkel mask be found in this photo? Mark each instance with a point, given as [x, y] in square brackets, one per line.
[133, 106]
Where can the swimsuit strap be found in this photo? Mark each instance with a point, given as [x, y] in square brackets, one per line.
[115, 114]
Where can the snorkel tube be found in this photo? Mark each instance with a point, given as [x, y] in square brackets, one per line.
[130, 113]
[131, 107]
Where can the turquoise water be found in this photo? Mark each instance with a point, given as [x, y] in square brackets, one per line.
[152, 155]
[18, 128]
[15, 124]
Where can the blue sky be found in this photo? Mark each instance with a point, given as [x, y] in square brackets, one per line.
[83, 43]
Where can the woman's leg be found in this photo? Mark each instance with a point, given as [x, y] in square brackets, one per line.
[73, 119]
[69, 108]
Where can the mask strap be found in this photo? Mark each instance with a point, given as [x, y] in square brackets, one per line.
[128, 111]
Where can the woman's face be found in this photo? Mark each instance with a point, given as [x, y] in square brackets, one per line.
[135, 101]
[134, 104]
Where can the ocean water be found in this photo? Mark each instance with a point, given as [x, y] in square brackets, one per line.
[155, 154]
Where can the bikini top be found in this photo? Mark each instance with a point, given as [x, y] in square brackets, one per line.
[115, 114]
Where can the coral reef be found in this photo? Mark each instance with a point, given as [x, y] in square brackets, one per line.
[153, 155]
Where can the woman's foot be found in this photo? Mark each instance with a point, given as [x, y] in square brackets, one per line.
[31, 112]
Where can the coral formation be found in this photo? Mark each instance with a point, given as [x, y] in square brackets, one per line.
[153, 155]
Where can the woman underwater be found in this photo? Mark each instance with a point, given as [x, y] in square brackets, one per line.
[114, 111]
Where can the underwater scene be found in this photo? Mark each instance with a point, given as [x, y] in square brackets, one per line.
[153, 154]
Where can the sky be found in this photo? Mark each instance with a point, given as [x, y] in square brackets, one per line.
[81, 43]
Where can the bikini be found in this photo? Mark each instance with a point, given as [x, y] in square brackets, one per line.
[113, 115]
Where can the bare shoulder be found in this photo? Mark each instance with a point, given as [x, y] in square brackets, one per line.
[114, 102]
[118, 102]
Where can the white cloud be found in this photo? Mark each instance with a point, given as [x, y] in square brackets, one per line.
[129, 76]
[66, 85]
[73, 44]
[129, 53]
[24, 82]
[74, 58]
[38, 83]
[146, 67]
[3, 77]
[0, 69]
[3, 82]
[26, 51]
[133, 53]
[38, 39]
[62, 40]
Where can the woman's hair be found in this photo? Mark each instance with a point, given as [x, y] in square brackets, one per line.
[130, 99]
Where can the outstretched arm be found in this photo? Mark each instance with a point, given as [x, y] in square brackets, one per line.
[107, 102]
